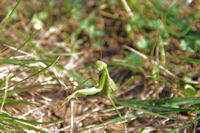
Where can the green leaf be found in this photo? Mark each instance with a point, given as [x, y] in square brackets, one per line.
[143, 45]
[183, 45]
[189, 90]
[128, 28]
[99, 43]
[134, 59]
[42, 15]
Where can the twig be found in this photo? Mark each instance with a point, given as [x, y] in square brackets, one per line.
[128, 9]
[72, 117]
[32, 111]
[154, 62]
[5, 93]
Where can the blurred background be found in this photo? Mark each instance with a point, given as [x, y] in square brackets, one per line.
[48, 50]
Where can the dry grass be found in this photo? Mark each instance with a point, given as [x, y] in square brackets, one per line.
[77, 32]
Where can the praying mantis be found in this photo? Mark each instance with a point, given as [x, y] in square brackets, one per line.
[105, 85]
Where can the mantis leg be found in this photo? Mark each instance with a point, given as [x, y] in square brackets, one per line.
[119, 114]
[113, 104]
[82, 92]
[88, 91]
[111, 86]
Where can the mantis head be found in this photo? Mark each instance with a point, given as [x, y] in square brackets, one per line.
[101, 65]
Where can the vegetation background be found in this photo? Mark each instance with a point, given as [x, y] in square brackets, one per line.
[48, 50]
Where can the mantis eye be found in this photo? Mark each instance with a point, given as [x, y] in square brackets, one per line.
[100, 65]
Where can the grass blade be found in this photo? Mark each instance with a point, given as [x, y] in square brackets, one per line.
[34, 74]
[14, 61]
[80, 79]
[12, 126]
[59, 54]
[6, 116]
[22, 45]
[184, 126]
[12, 101]
[130, 104]
[24, 125]
[109, 122]
[10, 15]
[10, 92]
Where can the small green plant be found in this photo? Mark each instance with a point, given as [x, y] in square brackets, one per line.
[86, 25]
[37, 20]
[154, 17]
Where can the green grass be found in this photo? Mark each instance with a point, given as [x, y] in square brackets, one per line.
[74, 35]
[7, 19]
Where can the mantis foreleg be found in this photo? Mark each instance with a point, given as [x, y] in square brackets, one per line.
[89, 91]
[82, 92]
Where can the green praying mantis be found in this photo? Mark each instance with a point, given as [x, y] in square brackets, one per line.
[105, 85]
